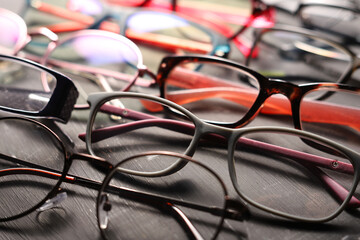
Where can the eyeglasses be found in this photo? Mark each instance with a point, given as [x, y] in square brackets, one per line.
[94, 55]
[300, 55]
[23, 93]
[336, 17]
[32, 182]
[222, 86]
[109, 60]
[177, 34]
[239, 13]
[272, 168]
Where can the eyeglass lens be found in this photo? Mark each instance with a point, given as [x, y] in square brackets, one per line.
[143, 214]
[334, 19]
[299, 58]
[285, 183]
[25, 145]
[120, 129]
[23, 86]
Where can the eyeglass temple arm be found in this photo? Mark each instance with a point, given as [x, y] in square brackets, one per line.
[184, 220]
[236, 212]
[174, 125]
[82, 21]
[101, 71]
[303, 158]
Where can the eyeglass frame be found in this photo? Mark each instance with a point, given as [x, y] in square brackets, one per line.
[267, 87]
[233, 208]
[345, 76]
[258, 9]
[219, 44]
[62, 100]
[344, 5]
[96, 100]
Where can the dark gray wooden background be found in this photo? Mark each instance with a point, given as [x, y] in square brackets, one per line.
[75, 218]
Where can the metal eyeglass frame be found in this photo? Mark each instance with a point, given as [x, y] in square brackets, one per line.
[349, 6]
[345, 76]
[232, 209]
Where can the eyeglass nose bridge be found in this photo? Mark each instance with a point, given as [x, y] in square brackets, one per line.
[277, 86]
[214, 133]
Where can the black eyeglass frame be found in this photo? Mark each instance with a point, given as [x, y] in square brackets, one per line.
[62, 100]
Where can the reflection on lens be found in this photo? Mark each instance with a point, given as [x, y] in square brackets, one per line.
[118, 210]
[299, 58]
[131, 125]
[23, 86]
[288, 183]
[335, 117]
[166, 25]
[26, 145]
[90, 7]
[213, 92]
[97, 50]
[96, 61]
[338, 20]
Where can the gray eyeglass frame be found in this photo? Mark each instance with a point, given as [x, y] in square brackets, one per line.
[96, 100]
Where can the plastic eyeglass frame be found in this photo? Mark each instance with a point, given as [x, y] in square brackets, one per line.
[232, 136]
[233, 209]
[345, 76]
[267, 88]
[345, 5]
[62, 100]
[79, 21]
[259, 10]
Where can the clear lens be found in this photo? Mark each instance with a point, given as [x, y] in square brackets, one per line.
[214, 92]
[162, 24]
[169, 32]
[342, 21]
[138, 215]
[96, 61]
[22, 86]
[125, 126]
[26, 145]
[299, 58]
[336, 117]
[90, 7]
[291, 182]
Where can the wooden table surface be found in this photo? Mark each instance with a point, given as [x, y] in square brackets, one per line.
[75, 218]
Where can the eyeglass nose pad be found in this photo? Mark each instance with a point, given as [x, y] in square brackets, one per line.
[52, 202]
[104, 208]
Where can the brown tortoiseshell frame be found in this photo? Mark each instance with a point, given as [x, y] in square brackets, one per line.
[267, 87]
